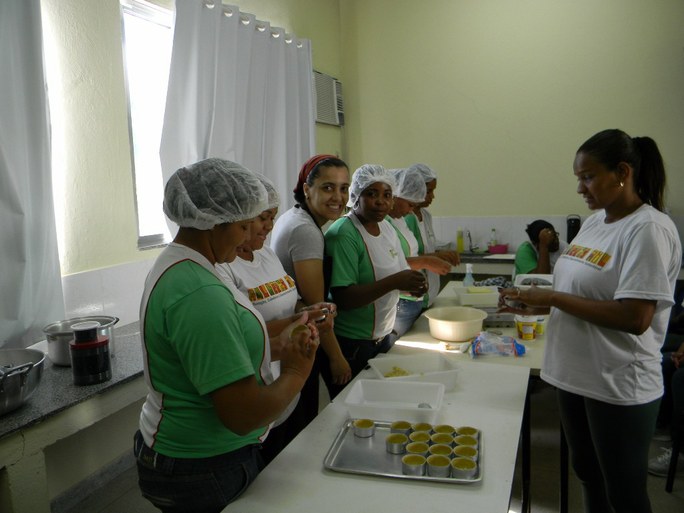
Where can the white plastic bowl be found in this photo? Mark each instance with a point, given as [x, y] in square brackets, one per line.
[455, 323]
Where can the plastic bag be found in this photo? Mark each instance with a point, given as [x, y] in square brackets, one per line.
[491, 343]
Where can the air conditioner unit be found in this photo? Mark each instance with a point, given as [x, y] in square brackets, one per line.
[329, 106]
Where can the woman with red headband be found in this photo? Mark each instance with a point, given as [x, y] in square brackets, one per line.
[321, 195]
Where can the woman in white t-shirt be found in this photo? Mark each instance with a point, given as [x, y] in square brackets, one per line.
[369, 269]
[612, 293]
[259, 275]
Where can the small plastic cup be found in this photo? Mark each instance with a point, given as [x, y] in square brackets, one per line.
[438, 465]
[395, 443]
[413, 465]
[526, 326]
[420, 448]
[463, 468]
[541, 326]
[364, 428]
[420, 436]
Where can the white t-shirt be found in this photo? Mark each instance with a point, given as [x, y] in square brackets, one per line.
[637, 257]
[271, 291]
[264, 281]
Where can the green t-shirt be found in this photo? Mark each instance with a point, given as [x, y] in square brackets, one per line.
[350, 265]
[525, 259]
[197, 339]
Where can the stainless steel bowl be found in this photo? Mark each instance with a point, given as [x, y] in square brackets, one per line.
[20, 373]
[59, 334]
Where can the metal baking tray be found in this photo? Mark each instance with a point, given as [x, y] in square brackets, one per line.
[354, 455]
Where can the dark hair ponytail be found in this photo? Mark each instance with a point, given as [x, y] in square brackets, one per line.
[610, 147]
[650, 180]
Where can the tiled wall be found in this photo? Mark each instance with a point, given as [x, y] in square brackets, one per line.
[114, 291]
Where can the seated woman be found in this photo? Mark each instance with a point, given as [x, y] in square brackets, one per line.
[211, 395]
[410, 191]
[368, 269]
[260, 276]
[540, 254]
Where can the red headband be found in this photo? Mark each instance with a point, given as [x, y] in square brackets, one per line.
[306, 169]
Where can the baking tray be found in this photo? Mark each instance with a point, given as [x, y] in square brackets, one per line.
[354, 455]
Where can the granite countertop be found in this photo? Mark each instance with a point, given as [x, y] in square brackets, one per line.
[56, 391]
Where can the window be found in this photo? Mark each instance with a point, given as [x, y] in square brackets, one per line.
[147, 42]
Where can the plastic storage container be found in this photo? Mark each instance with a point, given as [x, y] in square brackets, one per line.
[430, 368]
[392, 400]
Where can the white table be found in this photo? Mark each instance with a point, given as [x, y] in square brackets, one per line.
[487, 396]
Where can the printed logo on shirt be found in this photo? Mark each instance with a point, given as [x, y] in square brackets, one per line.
[594, 257]
[393, 252]
[269, 290]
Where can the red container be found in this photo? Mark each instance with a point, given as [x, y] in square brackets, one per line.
[498, 249]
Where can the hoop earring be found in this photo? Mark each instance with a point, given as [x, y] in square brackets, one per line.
[622, 184]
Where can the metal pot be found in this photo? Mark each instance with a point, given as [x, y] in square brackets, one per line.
[59, 334]
[20, 373]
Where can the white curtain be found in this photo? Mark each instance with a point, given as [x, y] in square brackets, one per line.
[238, 89]
[30, 280]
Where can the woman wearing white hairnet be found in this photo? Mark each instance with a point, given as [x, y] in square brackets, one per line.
[260, 276]
[368, 268]
[211, 395]
[410, 191]
[425, 232]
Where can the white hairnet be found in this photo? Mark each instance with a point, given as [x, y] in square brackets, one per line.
[273, 197]
[213, 191]
[365, 176]
[426, 171]
[410, 185]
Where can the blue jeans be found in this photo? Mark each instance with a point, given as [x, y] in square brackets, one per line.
[407, 313]
[198, 485]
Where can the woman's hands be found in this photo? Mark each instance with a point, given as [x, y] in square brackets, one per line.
[413, 282]
[298, 342]
[323, 314]
[449, 255]
[532, 301]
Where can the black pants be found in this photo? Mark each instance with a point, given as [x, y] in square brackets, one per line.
[609, 451]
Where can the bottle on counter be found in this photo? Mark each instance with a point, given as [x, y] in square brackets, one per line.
[459, 240]
[492, 238]
[468, 281]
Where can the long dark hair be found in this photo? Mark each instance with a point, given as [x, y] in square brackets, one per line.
[610, 147]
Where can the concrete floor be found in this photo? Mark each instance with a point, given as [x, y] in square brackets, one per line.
[123, 496]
